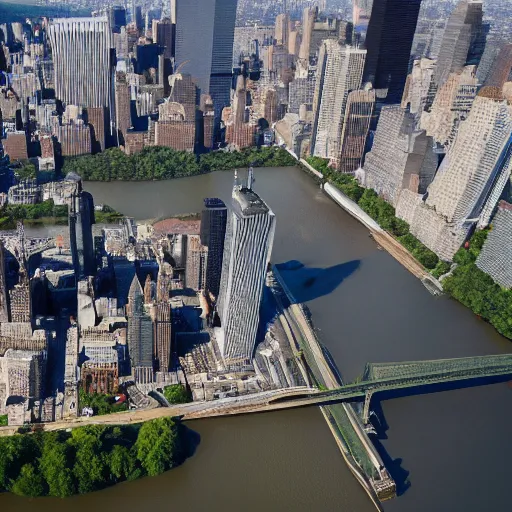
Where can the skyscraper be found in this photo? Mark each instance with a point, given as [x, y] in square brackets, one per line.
[362, 10]
[81, 219]
[163, 335]
[340, 69]
[389, 41]
[358, 114]
[204, 45]
[247, 248]
[402, 157]
[140, 333]
[4, 307]
[81, 51]
[213, 232]
[462, 40]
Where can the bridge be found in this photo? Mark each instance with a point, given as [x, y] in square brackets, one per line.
[380, 377]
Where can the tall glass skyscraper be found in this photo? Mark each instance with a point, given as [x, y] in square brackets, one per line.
[247, 248]
[81, 53]
[389, 41]
[204, 45]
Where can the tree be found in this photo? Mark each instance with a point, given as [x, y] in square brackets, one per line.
[56, 466]
[122, 464]
[177, 394]
[90, 468]
[158, 446]
[29, 483]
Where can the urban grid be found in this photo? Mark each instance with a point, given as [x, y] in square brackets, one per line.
[400, 109]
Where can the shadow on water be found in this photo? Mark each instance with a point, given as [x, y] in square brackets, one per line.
[378, 420]
[307, 283]
[193, 440]
[394, 466]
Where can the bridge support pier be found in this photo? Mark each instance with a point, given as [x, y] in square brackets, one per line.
[366, 408]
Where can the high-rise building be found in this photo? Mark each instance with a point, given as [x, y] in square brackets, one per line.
[140, 332]
[247, 249]
[163, 35]
[389, 42]
[496, 253]
[340, 69]
[501, 68]
[204, 45]
[362, 10]
[462, 40]
[402, 157]
[81, 50]
[163, 335]
[213, 232]
[451, 106]
[197, 259]
[282, 29]
[358, 114]
[20, 301]
[4, 306]
[469, 182]
[81, 219]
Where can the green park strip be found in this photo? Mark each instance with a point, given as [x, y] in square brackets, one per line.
[90, 458]
[163, 163]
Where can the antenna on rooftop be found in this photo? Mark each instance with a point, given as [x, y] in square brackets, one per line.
[250, 178]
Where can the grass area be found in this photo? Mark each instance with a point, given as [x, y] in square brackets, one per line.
[3, 420]
[381, 211]
[177, 394]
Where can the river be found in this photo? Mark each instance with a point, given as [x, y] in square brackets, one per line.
[452, 445]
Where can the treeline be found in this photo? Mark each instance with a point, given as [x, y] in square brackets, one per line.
[477, 290]
[11, 213]
[89, 458]
[383, 213]
[162, 163]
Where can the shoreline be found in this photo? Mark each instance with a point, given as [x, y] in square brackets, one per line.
[381, 236]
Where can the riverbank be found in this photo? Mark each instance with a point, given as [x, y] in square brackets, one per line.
[466, 283]
[380, 235]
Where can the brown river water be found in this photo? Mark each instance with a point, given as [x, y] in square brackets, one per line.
[449, 451]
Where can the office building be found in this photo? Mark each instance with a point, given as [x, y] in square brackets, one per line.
[340, 69]
[462, 40]
[81, 50]
[496, 253]
[451, 106]
[389, 41]
[402, 157]
[196, 263]
[204, 45]
[140, 333]
[247, 248]
[81, 219]
[4, 306]
[163, 336]
[469, 182]
[20, 300]
[213, 232]
[358, 115]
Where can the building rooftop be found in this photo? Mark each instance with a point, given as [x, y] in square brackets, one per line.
[249, 202]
